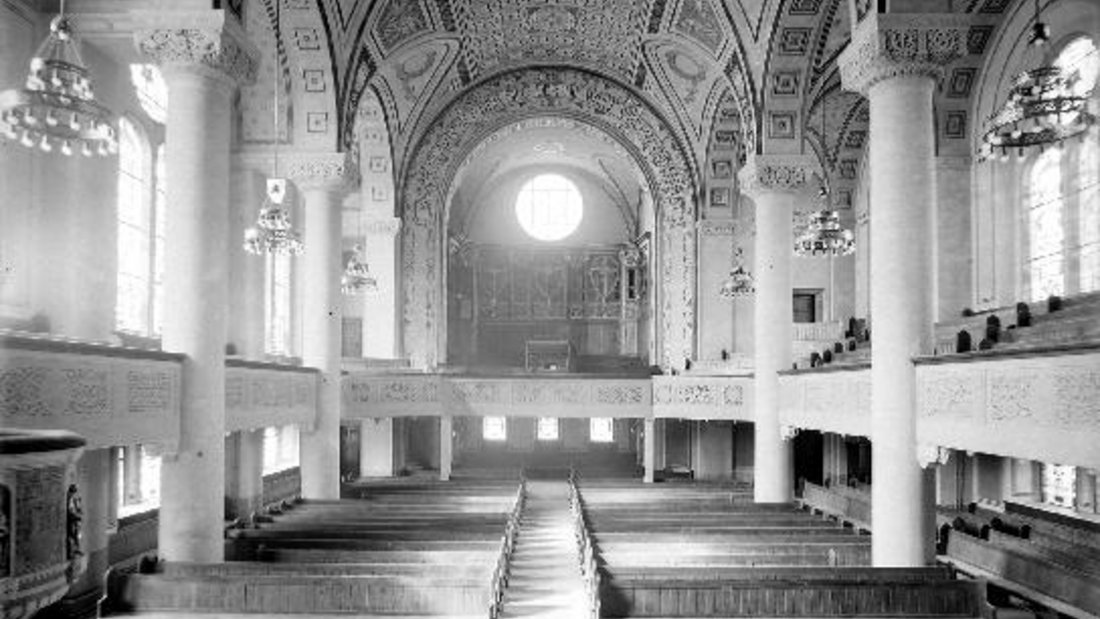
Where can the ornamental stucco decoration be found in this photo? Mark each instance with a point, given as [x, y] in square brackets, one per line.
[544, 92]
[308, 170]
[777, 173]
[201, 38]
[892, 45]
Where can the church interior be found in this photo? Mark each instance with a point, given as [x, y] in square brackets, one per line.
[550, 308]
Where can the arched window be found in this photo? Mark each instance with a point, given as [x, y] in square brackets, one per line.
[152, 92]
[140, 232]
[280, 449]
[1062, 197]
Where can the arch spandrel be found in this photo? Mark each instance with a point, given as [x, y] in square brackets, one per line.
[506, 99]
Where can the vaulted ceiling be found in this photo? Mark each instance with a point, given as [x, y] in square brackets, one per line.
[754, 74]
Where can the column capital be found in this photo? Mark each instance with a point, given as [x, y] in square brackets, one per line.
[212, 42]
[764, 174]
[387, 227]
[326, 171]
[889, 45]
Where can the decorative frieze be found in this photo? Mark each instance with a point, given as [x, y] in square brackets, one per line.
[210, 40]
[888, 45]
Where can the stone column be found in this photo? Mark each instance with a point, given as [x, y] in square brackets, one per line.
[775, 184]
[245, 489]
[895, 60]
[650, 448]
[246, 272]
[380, 307]
[203, 55]
[321, 179]
[446, 447]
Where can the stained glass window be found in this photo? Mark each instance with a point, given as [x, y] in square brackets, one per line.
[1059, 485]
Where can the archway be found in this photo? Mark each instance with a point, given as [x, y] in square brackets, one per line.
[506, 99]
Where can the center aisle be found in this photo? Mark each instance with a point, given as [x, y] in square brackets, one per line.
[545, 576]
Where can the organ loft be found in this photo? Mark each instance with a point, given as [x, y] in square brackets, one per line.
[549, 308]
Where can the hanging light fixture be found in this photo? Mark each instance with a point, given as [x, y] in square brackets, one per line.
[273, 233]
[1042, 108]
[823, 234]
[57, 109]
[739, 283]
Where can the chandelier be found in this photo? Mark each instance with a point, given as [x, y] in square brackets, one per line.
[1042, 108]
[739, 283]
[57, 109]
[272, 233]
[357, 277]
[824, 236]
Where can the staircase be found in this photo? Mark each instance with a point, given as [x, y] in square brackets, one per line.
[545, 578]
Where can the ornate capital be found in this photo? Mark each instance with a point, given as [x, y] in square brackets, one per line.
[888, 45]
[928, 454]
[777, 173]
[333, 171]
[387, 227]
[212, 41]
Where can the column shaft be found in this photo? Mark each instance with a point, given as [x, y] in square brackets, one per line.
[902, 195]
[772, 339]
[650, 448]
[320, 303]
[196, 291]
[446, 447]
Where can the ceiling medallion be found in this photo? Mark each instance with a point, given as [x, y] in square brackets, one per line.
[57, 109]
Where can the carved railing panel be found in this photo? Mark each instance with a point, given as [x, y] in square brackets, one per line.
[108, 395]
[704, 397]
[265, 395]
[834, 401]
[1041, 408]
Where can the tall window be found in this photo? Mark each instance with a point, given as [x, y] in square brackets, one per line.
[277, 302]
[494, 429]
[601, 430]
[1045, 231]
[280, 449]
[548, 429]
[141, 211]
[140, 232]
[1062, 197]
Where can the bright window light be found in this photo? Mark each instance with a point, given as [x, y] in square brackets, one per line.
[548, 429]
[549, 207]
[601, 430]
[494, 429]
